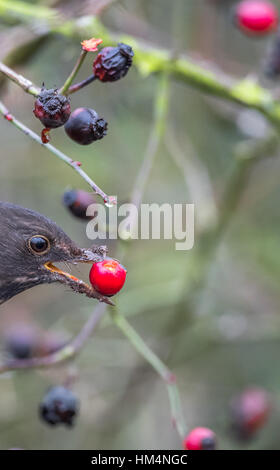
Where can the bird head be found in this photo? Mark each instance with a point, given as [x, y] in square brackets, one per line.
[30, 244]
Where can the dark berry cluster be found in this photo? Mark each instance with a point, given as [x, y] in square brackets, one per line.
[84, 125]
[59, 406]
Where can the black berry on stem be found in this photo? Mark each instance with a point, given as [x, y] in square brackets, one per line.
[59, 406]
[85, 126]
[113, 63]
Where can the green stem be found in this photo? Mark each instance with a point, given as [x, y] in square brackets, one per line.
[160, 115]
[63, 90]
[166, 375]
[75, 165]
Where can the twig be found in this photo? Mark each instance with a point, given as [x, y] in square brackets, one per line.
[67, 352]
[21, 81]
[167, 376]
[160, 116]
[80, 85]
[63, 90]
[72, 163]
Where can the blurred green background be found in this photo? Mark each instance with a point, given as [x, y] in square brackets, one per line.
[225, 337]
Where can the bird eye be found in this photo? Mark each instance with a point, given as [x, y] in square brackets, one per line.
[39, 244]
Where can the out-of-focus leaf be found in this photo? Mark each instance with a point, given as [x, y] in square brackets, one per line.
[20, 9]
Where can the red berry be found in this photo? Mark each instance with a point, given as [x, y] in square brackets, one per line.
[256, 16]
[51, 108]
[107, 276]
[200, 439]
[113, 63]
[249, 411]
[85, 126]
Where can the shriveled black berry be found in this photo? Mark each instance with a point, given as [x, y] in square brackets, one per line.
[77, 202]
[113, 63]
[85, 126]
[59, 406]
[51, 108]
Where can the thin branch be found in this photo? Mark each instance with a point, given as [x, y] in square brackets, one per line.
[67, 352]
[167, 376]
[72, 163]
[82, 84]
[21, 81]
[63, 90]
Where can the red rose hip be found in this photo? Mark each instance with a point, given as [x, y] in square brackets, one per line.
[107, 276]
[258, 17]
[200, 439]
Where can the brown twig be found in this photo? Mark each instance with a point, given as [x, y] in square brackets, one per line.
[67, 352]
[80, 85]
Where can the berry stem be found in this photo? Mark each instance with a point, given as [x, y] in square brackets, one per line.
[72, 163]
[21, 81]
[63, 90]
[78, 86]
[67, 352]
[161, 106]
[166, 375]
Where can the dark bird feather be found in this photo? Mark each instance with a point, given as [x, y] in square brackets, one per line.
[21, 268]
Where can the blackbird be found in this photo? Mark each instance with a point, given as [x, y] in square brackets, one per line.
[29, 245]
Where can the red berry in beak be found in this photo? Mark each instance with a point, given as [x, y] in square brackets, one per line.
[257, 17]
[200, 439]
[51, 108]
[113, 63]
[107, 277]
[85, 126]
